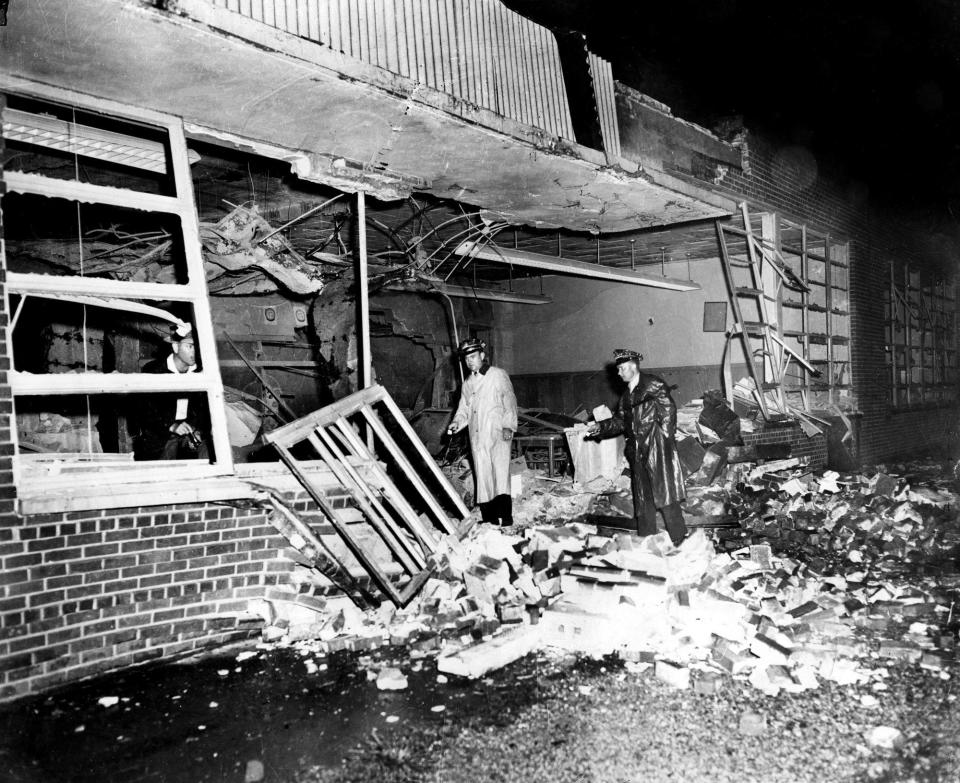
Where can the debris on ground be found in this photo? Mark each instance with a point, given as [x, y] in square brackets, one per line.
[813, 576]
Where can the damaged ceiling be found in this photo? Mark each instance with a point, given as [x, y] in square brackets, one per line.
[330, 126]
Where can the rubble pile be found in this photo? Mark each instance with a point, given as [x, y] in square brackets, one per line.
[826, 577]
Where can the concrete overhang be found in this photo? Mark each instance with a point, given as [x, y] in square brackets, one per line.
[336, 120]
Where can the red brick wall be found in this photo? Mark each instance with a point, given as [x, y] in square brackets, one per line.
[790, 181]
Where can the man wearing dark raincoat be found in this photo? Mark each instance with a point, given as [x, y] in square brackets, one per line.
[647, 418]
[489, 408]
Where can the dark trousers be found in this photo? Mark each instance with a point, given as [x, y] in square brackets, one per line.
[645, 510]
[500, 509]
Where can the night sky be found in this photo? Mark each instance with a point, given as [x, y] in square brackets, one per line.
[872, 89]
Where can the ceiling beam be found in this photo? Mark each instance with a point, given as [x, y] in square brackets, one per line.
[490, 252]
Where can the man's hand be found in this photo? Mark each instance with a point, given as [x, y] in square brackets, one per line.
[452, 429]
[593, 428]
[507, 434]
[182, 428]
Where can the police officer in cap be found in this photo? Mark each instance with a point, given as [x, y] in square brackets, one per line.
[647, 418]
[488, 408]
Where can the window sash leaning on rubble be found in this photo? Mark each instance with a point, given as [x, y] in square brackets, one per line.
[193, 292]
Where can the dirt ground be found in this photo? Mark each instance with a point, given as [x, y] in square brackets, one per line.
[549, 717]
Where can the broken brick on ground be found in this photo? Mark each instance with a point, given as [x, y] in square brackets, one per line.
[814, 576]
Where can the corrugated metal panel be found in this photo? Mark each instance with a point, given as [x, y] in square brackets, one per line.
[475, 50]
[602, 76]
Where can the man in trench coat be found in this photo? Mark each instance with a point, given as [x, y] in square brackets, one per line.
[647, 418]
[488, 407]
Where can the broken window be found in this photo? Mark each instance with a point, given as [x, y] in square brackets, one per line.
[921, 339]
[110, 335]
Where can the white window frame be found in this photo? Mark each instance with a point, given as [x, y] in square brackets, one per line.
[193, 292]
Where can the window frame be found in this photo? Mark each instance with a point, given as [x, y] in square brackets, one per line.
[914, 313]
[193, 292]
[831, 255]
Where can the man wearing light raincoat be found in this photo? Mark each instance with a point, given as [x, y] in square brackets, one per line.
[488, 407]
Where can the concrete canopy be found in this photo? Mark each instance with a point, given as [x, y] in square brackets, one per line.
[338, 121]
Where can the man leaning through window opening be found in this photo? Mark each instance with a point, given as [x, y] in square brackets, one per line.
[171, 427]
[488, 407]
[647, 418]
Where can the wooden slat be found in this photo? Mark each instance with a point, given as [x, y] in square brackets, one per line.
[31, 283]
[387, 487]
[366, 560]
[296, 431]
[371, 416]
[378, 517]
[203, 326]
[404, 425]
[85, 193]
[44, 384]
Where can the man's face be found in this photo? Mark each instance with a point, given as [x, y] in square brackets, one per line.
[186, 351]
[627, 371]
[474, 361]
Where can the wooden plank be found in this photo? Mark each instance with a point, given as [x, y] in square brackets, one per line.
[31, 283]
[366, 560]
[378, 517]
[85, 193]
[298, 430]
[404, 425]
[41, 384]
[203, 319]
[374, 421]
[387, 487]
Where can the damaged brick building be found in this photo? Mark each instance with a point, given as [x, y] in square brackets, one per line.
[333, 193]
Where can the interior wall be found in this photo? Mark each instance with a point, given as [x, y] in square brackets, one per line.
[589, 318]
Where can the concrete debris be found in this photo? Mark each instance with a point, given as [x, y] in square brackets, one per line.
[884, 737]
[812, 577]
[391, 679]
[254, 772]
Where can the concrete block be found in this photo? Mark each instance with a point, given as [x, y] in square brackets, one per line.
[708, 684]
[673, 674]
[478, 659]
[391, 679]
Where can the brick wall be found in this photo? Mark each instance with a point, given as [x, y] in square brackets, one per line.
[87, 592]
[789, 180]
[812, 450]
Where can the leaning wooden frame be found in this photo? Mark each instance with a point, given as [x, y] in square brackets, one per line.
[352, 438]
